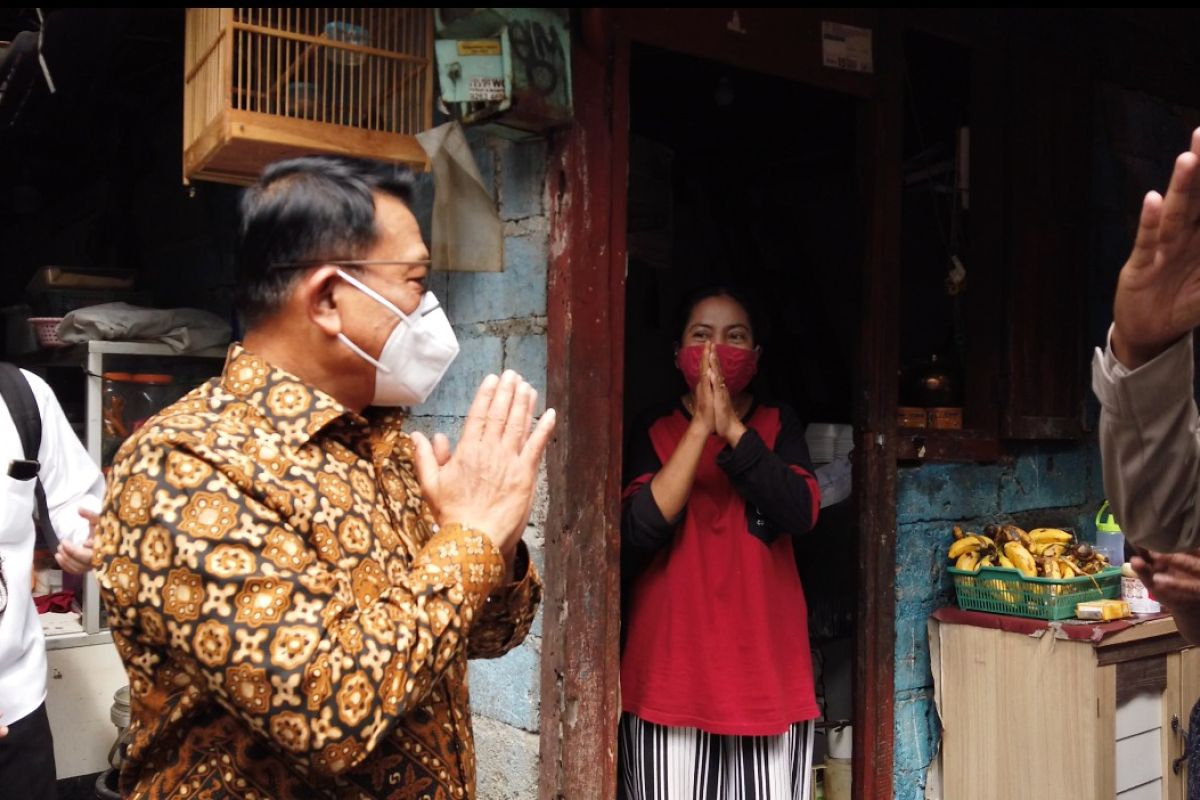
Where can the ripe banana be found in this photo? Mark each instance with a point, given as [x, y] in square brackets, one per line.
[1067, 570]
[1021, 558]
[1005, 561]
[957, 532]
[1050, 535]
[968, 561]
[964, 545]
[1050, 569]
[1011, 533]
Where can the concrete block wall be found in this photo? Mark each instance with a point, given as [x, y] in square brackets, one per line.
[500, 321]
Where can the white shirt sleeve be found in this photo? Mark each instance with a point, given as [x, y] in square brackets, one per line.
[69, 477]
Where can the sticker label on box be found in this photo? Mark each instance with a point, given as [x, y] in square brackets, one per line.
[485, 89]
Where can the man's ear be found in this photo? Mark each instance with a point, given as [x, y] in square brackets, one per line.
[317, 295]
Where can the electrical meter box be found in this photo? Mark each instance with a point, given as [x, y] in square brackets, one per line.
[506, 66]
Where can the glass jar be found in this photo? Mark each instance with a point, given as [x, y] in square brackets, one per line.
[154, 394]
[118, 409]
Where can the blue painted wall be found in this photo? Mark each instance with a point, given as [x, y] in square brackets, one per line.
[1052, 485]
[500, 321]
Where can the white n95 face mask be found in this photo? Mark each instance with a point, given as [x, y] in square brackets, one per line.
[415, 356]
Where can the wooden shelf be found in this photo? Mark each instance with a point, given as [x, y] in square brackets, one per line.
[932, 444]
[76, 354]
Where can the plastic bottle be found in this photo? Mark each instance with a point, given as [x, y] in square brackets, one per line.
[1109, 539]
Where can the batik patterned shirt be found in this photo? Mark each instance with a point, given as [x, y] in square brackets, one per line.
[293, 622]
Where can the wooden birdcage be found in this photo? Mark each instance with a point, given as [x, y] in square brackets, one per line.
[262, 84]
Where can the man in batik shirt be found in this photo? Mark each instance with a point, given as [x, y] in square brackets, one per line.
[293, 583]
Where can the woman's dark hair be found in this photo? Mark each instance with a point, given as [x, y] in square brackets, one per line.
[743, 297]
[303, 210]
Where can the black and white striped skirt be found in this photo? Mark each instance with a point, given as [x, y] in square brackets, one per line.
[661, 763]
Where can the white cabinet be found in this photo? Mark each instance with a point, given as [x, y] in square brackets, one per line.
[79, 696]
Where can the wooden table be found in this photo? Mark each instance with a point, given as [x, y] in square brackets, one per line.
[1028, 712]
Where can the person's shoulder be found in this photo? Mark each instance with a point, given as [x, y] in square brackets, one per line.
[191, 420]
[41, 390]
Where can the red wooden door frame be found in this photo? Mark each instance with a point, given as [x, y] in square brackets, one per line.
[587, 179]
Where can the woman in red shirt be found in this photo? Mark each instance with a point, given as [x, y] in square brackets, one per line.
[716, 673]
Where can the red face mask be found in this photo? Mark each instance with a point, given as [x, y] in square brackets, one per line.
[738, 365]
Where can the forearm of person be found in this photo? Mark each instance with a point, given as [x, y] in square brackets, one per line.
[1150, 448]
[508, 612]
[787, 496]
[672, 485]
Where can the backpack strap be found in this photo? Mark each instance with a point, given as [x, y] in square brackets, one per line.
[23, 408]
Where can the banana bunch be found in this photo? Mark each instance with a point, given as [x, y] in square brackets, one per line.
[970, 551]
[1038, 553]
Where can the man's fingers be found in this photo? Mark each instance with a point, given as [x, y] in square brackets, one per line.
[1194, 199]
[441, 449]
[1187, 561]
[424, 461]
[533, 402]
[517, 427]
[536, 445]
[477, 413]
[497, 414]
[1145, 244]
[1174, 589]
[1178, 209]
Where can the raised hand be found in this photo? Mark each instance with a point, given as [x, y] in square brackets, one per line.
[488, 481]
[1158, 291]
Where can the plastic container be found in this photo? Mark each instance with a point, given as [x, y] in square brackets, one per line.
[841, 742]
[46, 331]
[1001, 590]
[1109, 539]
[1134, 592]
[837, 778]
[826, 439]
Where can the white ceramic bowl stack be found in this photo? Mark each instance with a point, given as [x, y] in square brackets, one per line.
[828, 441]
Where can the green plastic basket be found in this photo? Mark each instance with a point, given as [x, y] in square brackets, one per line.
[1002, 590]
